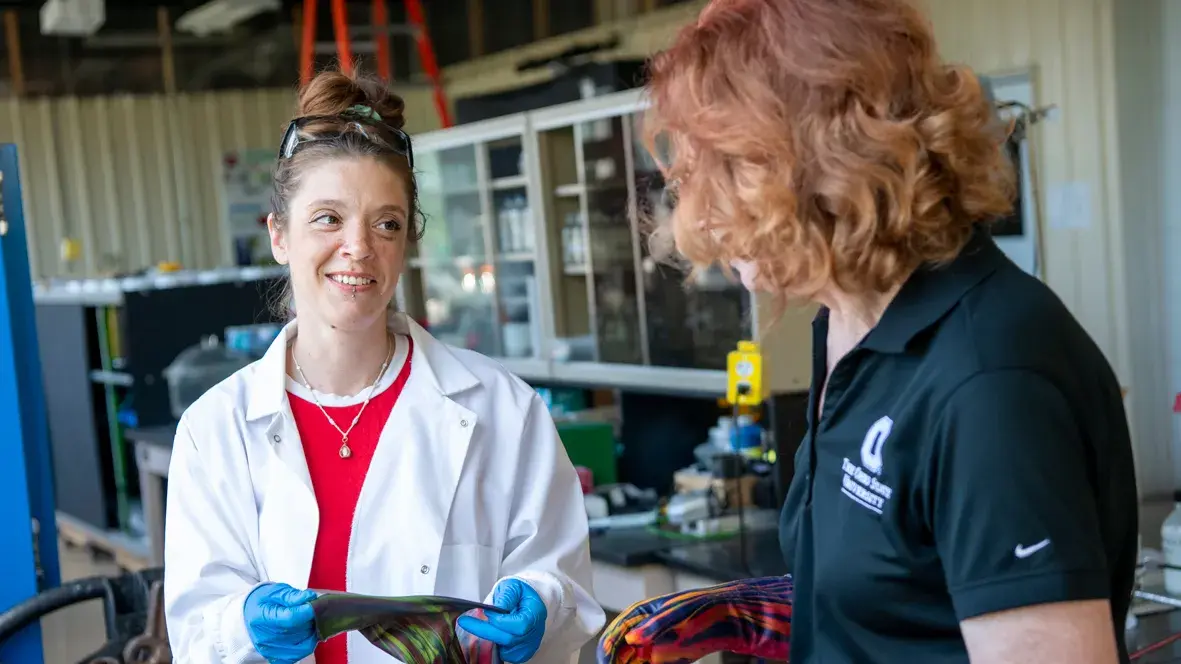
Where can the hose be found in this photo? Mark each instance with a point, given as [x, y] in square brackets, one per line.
[1153, 647]
[33, 609]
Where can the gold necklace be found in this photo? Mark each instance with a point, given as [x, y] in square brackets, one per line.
[345, 450]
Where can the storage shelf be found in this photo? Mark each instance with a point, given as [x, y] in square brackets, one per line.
[514, 182]
[120, 378]
[130, 552]
[585, 186]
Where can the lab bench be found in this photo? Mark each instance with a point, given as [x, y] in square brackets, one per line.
[153, 453]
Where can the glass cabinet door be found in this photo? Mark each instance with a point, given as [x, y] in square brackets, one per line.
[451, 273]
[514, 239]
[565, 225]
[473, 271]
[597, 313]
[450, 197]
[611, 257]
[475, 279]
[690, 325]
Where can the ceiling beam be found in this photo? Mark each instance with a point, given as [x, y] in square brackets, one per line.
[167, 63]
[12, 39]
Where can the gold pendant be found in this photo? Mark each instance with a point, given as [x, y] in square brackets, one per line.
[345, 452]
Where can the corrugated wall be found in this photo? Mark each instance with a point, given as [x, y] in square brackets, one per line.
[133, 178]
[1140, 56]
[1068, 45]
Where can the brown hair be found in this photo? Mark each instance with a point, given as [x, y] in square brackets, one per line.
[823, 140]
[330, 94]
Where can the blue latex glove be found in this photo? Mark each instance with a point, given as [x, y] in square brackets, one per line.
[281, 622]
[519, 632]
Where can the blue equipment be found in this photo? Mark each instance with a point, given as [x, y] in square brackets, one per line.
[26, 475]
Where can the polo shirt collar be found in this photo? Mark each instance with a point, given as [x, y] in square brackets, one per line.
[931, 292]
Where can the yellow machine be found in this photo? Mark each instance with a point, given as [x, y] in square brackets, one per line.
[744, 386]
[744, 375]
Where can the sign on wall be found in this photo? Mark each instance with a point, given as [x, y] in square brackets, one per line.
[246, 182]
[1020, 235]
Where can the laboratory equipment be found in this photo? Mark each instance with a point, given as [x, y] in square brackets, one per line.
[198, 368]
[29, 554]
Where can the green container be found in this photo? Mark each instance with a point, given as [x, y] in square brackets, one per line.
[591, 444]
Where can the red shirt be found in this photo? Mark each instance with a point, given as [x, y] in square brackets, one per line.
[337, 483]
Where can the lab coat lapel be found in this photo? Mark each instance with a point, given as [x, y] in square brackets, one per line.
[289, 517]
[424, 445]
[268, 404]
[418, 462]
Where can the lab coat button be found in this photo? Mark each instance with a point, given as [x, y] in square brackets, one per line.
[463, 423]
[276, 438]
[425, 569]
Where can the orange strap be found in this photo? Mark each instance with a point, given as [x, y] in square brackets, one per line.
[308, 45]
[340, 26]
[381, 35]
[426, 53]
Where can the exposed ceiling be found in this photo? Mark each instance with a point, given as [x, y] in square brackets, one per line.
[124, 55]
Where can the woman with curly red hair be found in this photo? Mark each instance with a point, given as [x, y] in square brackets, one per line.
[966, 488]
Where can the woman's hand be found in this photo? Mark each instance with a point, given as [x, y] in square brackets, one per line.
[518, 632]
[281, 622]
[750, 617]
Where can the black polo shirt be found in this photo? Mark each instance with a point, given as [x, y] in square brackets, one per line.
[972, 456]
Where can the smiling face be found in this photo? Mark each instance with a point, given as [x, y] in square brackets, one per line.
[345, 241]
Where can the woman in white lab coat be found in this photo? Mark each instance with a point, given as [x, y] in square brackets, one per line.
[360, 453]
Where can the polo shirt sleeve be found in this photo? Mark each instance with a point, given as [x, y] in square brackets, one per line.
[1009, 499]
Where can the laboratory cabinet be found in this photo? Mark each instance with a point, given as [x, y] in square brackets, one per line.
[536, 252]
[104, 345]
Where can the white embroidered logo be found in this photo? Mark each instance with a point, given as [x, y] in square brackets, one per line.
[1027, 551]
[871, 447]
[859, 482]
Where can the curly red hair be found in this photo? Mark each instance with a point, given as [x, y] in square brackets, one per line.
[824, 141]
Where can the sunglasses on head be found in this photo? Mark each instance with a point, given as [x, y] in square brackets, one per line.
[396, 139]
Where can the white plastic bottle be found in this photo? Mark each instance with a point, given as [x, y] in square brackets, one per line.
[1170, 533]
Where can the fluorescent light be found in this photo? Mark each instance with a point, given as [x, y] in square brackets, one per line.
[221, 15]
[78, 18]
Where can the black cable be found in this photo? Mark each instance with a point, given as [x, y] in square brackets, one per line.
[1153, 647]
[33, 609]
[743, 390]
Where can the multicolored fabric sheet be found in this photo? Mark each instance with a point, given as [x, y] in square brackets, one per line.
[750, 617]
[415, 630]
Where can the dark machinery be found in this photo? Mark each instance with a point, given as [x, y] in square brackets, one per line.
[133, 612]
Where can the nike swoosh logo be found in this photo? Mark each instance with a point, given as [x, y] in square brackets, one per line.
[1027, 551]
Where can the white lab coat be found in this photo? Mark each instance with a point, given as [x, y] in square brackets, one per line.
[469, 485]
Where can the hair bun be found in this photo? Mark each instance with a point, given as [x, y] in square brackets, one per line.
[333, 92]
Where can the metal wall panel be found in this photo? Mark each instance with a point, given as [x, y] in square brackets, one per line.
[1062, 43]
[1068, 46]
[133, 178]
